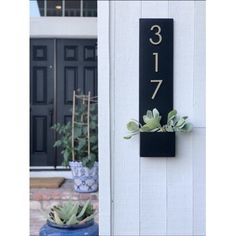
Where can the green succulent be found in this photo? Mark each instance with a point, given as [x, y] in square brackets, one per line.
[71, 213]
[176, 123]
[152, 123]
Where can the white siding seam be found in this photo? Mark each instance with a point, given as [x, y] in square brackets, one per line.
[112, 98]
[166, 215]
[110, 125]
[193, 197]
[140, 199]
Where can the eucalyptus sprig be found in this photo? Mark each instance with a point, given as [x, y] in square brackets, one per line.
[152, 123]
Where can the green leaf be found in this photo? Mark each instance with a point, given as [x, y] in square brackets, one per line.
[77, 132]
[146, 119]
[187, 127]
[85, 161]
[57, 143]
[66, 155]
[149, 114]
[57, 219]
[93, 139]
[83, 209]
[92, 157]
[128, 137]
[73, 220]
[181, 123]
[132, 126]
[93, 125]
[145, 128]
[155, 113]
[171, 115]
[82, 143]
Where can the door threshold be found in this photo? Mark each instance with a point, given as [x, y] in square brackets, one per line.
[51, 173]
[49, 168]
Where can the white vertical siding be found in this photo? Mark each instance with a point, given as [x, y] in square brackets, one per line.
[125, 157]
[153, 171]
[179, 169]
[198, 149]
[155, 196]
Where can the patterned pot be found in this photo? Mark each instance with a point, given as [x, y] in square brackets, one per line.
[88, 229]
[85, 179]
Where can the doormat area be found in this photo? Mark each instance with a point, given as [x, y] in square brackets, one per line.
[52, 182]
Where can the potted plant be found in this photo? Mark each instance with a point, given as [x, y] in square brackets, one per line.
[79, 143]
[157, 140]
[70, 219]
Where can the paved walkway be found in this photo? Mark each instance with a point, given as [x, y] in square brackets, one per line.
[42, 199]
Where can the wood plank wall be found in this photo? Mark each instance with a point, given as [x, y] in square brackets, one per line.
[152, 196]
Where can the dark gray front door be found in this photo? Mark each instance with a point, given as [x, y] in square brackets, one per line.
[57, 67]
[41, 102]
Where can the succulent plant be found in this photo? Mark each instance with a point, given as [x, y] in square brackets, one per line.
[71, 213]
[152, 123]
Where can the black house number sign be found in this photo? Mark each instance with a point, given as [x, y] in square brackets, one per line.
[155, 70]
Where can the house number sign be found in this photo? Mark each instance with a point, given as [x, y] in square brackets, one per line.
[156, 66]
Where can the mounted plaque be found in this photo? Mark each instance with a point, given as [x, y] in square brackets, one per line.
[156, 82]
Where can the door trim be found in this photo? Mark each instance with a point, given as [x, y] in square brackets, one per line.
[104, 120]
[55, 96]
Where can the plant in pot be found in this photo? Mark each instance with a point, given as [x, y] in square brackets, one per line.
[157, 139]
[70, 219]
[79, 143]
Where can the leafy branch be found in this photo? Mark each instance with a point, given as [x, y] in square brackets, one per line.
[152, 123]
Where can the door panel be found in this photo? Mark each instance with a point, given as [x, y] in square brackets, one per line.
[76, 68]
[41, 102]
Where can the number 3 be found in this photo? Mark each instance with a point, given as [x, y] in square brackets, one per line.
[157, 34]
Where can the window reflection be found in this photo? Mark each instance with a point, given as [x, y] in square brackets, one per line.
[90, 8]
[70, 8]
[37, 8]
[54, 7]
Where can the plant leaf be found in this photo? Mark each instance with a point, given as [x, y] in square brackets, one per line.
[83, 210]
[187, 127]
[171, 115]
[132, 126]
[155, 112]
[73, 220]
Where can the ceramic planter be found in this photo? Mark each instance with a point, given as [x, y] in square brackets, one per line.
[88, 229]
[157, 144]
[85, 179]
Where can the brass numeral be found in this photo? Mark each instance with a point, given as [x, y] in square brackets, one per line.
[159, 82]
[155, 54]
[157, 33]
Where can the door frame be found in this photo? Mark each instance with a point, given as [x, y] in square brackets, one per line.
[105, 88]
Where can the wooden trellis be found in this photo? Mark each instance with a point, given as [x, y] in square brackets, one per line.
[85, 99]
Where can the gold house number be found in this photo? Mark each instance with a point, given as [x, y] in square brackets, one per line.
[156, 41]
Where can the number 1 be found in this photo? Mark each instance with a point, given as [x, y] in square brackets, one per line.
[156, 61]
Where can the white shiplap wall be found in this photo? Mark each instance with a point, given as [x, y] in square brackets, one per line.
[150, 196]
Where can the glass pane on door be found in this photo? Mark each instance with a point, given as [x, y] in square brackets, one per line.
[90, 8]
[72, 7]
[54, 7]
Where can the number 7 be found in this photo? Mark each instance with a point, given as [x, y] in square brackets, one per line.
[157, 88]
